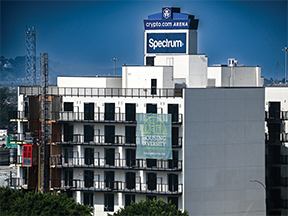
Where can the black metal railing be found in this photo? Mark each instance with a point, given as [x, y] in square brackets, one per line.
[16, 159]
[102, 140]
[16, 182]
[70, 116]
[137, 164]
[23, 138]
[102, 92]
[276, 137]
[117, 186]
[18, 115]
[278, 115]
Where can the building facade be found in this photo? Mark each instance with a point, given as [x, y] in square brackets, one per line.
[217, 130]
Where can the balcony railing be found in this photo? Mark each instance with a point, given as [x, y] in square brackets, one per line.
[277, 137]
[117, 186]
[17, 182]
[16, 160]
[102, 140]
[101, 92]
[23, 138]
[280, 115]
[70, 116]
[102, 163]
[18, 115]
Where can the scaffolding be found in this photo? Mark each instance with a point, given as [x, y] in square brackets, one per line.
[31, 55]
[45, 126]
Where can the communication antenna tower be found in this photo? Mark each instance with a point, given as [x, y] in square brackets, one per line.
[31, 55]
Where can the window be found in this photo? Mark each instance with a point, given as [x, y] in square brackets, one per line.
[151, 108]
[151, 197]
[69, 193]
[88, 133]
[88, 111]
[130, 180]
[26, 109]
[68, 176]
[174, 201]
[89, 156]
[130, 134]
[173, 110]
[109, 134]
[68, 133]
[110, 156]
[129, 199]
[151, 163]
[174, 162]
[110, 111]
[151, 181]
[175, 136]
[68, 106]
[25, 174]
[150, 61]
[172, 182]
[109, 179]
[130, 157]
[88, 178]
[68, 155]
[153, 86]
[88, 199]
[130, 112]
[108, 202]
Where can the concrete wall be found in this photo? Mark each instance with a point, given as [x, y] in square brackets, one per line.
[89, 82]
[223, 150]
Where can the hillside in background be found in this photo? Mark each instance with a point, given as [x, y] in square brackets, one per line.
[13, 71]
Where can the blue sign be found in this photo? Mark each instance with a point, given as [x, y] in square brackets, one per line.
[166, 24]
[166, 13]
[166, 43]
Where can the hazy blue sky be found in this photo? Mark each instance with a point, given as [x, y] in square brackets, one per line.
[93, 32]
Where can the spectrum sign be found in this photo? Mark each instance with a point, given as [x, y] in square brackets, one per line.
[166, 42]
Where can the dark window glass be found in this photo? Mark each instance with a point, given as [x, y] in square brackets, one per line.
[110, 156]
[151, 108]
[130, 112]
[109, 179]
[174, 162]
[130, 180]
[108, 202]
[153, 86]
[151, 181]
[68, 106]
[130, 157]
[89, 156]
[69, 193]
[151, 197]
[68, 133]
[173, 110]
[68, 177]
[110, 111]
[174, 201]
[129, 199]
[88, 111]
[109, 134]
[150, 61]
[88, 178]
[88, 133]
[130, 134]
[26, 109]
[172, 182]
[151, 163]
[175, 136]
[88, 199]
[68, 155]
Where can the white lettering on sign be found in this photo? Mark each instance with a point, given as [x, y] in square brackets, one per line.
[165, 43]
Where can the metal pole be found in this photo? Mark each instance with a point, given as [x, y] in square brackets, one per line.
[285, 50]
[114, 59]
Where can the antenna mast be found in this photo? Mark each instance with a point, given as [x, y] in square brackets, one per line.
[31, 55]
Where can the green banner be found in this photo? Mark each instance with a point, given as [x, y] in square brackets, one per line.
[153, 136]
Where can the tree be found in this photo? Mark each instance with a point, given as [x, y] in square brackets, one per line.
[150, 207]
[18, 202]
[5, 106]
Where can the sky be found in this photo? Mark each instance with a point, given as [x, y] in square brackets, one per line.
[91, 33]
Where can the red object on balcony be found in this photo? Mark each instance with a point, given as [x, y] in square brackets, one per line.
[27, 155]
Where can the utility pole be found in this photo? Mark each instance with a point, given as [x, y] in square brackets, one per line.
[114, 59]
[285, 50]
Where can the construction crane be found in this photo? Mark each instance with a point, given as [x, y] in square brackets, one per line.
[31, 55]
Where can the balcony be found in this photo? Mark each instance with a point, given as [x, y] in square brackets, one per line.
[23, 138]
[278, 137]
[124, 164]
[17, 182]
[99, 117]
[116, 186]
[16, 160]
[277, 116]
[101, 92]
[101, 140]
[18, 116]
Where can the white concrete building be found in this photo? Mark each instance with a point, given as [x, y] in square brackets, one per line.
[217, 133]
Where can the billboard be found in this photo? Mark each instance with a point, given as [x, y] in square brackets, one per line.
[153, 136]
[166, 43]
